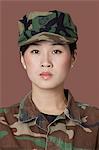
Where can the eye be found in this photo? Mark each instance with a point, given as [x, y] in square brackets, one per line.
[35, 51]
[57, 52]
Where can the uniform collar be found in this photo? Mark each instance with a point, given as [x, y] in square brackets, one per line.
[28, 111]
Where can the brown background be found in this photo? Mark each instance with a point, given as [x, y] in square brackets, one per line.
[84, 78]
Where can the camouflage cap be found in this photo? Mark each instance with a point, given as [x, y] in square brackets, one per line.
[52, 25]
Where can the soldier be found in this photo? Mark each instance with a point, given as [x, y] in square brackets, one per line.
[48, 117]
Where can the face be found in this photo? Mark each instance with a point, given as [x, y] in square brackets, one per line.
[47, 64]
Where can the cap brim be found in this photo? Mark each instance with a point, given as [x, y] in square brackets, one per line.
[47, 37]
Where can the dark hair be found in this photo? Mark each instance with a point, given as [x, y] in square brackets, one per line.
[72, 47]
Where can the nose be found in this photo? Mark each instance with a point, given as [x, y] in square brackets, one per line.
[46, 61]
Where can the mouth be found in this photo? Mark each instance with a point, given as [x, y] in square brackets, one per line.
[46, 75]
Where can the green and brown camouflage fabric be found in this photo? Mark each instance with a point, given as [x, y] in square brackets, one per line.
[53, 23]
[23, 127]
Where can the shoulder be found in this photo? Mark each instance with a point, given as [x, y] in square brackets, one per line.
[13, 108]
[91, 113]
[9, 114]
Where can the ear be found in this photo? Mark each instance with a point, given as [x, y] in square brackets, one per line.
[23, 62]
[74, 58]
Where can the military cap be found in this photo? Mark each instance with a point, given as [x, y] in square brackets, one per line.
[52, 25]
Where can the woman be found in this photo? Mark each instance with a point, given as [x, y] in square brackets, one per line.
[49, 118]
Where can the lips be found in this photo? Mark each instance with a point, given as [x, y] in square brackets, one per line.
[45, 74]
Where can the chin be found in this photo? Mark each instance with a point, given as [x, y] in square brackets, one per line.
[47, 86]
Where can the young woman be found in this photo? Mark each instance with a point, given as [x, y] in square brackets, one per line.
[48, 118]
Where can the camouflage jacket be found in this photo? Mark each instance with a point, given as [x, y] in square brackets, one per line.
[23, 127]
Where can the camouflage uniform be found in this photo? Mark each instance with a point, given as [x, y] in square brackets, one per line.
[23, 127]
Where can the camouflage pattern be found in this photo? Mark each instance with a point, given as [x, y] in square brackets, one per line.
[23, 127]
[54, 25]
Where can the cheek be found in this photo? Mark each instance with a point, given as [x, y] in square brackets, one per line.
[29, 62]
[65, 67]
[30, 69]
[30, 65]
[65, 62]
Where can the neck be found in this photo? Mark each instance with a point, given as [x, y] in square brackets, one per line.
[49, 101]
